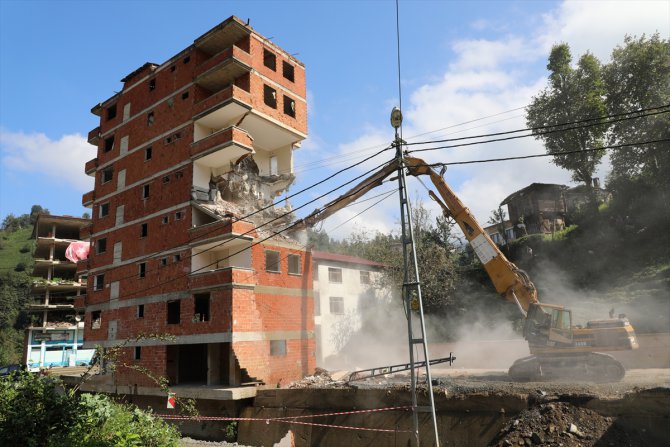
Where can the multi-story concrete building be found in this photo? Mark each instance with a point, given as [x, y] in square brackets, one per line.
[344, 288]
[188, 152]
[56, 339]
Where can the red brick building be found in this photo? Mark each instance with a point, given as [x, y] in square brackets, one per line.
[185, 152]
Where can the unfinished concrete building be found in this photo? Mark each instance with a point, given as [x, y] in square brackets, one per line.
[55, 338]
[185, 152]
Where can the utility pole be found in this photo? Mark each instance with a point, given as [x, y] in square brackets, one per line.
[411, 288]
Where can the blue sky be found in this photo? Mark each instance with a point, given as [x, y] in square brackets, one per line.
[461, 61]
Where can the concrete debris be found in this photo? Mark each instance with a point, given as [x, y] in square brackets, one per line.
[320, 379]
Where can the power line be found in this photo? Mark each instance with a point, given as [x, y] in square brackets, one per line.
[516, 137]
[642, 112]
[523, 157]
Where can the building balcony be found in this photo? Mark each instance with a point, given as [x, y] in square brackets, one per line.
[94, 136]
[221, 277]
[225, 68]
[37, 307]
[222, 147]
[91, 166]
[87, 199]
[218, 99]
[222, 36]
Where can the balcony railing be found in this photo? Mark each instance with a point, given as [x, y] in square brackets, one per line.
[94, 136]
[230, 92]
[87, 199]
[224, 137]
[91, 166]
[222, 276]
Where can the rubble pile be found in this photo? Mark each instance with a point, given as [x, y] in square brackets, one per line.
[320, 379]
[562, 424]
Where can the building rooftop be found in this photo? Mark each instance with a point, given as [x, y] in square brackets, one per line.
[346, 259]
[531, 187]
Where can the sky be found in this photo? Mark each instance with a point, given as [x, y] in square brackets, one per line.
[466, 68]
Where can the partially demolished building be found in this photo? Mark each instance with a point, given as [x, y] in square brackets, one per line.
[183, 271]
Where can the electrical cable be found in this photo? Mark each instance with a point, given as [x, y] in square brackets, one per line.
[516, 137]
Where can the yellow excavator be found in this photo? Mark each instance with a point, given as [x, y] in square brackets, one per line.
[560, 350]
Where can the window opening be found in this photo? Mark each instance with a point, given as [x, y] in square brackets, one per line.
[99, 282]
[150, 119]
[289, 106]
[277, 348]
[101, 246]
[334, 275]
[142, 269]
[96, 319]
[109, 143]
[184, 95]
[163, 262]
[152, 84]
[144, 230]
[138, 353]
[336, 305]
[179, 174]
[365, 277]
[179, 215]
[107, 175]
[104, 209]
[270, 60]
[270, 96]
[173, 68]
[166, 219]
[294, 264]
[201, 307]
[166, 179]
[145, 191]
[148, 153]
[288, 71]
[111, 112]
[173, 312]
[272, 262]
[187, 59]
[140, 311]
[176, 258]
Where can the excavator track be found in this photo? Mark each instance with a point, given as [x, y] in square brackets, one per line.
[593, 367]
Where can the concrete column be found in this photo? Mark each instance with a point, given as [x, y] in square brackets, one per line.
[233, 377]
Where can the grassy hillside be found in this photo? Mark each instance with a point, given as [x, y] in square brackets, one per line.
[16, 247]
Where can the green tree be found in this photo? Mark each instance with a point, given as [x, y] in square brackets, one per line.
[573, 94]
[638, 77]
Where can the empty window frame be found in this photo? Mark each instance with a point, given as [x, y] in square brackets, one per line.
[166, 219]
[140, 311]
[144, 229]
[96, 319]
[288, 71]
[187, 59]
[173, 312]
[111, 112]
[101, 245]
[103, 210]
[272, 261]
[109, 143]
[164, 262]
[289, 106]
[150, 119]
[184, 95]
[142, 270]
[99, 282]
[336, 305]
[179, 215]
[137, 355]
[152, 84]
[178, 174]
[269, 59]
[201, 307]
[334, 275]
[270, 96]
[176, 258]
[365, 277]
[166, 179]
[148, 153]
[106, 175]
[145, 191]
[294, 265]
[277, 348]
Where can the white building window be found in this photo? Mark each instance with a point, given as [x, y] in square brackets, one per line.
[336, 305]
[334, 275]
[365, 277]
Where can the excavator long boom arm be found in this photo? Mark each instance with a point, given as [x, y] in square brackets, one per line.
[511, 282]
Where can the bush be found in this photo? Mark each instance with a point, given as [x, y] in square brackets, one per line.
[36, 411]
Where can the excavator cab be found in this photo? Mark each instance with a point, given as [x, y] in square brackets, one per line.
[548, 325]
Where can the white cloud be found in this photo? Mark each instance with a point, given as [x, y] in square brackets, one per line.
[492, 77]
[60, 160]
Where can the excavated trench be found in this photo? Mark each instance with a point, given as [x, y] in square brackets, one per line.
[469, 413]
